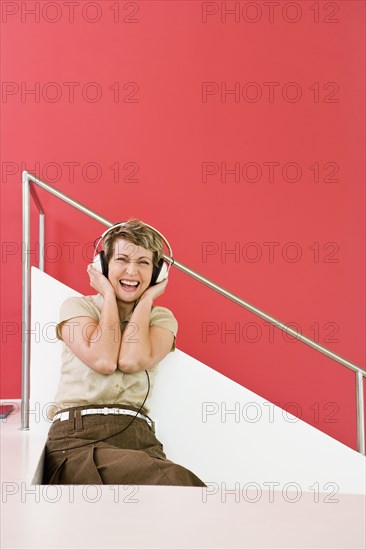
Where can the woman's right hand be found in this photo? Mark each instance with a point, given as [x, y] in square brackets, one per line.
[99, 281]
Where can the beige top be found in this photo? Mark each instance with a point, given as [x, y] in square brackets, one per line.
[81, 385]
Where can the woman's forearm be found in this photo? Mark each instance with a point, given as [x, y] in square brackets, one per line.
[105, 340]
[135, 347]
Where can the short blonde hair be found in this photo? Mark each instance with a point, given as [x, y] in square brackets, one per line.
[136, 232]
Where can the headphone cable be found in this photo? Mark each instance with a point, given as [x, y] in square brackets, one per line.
[109, 436]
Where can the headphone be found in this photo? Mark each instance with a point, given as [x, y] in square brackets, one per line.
[160, 272]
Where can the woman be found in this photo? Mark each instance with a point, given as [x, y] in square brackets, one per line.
[112, 343]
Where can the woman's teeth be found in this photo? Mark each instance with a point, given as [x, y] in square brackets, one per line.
[130, 285]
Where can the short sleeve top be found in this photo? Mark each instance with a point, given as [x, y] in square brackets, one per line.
[79, 384]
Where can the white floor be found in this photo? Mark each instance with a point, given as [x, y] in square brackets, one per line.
[146, 517]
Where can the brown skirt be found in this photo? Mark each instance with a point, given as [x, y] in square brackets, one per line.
[75, 454]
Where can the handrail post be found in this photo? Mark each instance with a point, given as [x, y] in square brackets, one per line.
[41, 222]
[25, 258]
[360, 413]
[41, 242]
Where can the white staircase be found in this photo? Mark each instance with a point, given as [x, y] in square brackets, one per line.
[210, 424]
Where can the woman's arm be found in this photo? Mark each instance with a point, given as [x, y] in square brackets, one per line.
[96, 343]
[142, 346]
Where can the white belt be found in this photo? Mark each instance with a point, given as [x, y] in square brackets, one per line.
[105, 410]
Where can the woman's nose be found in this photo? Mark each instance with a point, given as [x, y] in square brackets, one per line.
[131, 267]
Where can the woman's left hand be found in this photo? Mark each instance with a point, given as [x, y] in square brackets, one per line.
[154, 291]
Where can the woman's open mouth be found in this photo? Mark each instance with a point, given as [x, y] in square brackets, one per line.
[129, 286]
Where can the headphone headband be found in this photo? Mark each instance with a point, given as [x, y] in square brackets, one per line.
[171, 260]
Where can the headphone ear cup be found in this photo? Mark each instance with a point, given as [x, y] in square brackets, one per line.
[159, 273]
[163, 272]
[100, 263]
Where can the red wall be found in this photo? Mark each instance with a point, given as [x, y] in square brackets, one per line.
[129, 115]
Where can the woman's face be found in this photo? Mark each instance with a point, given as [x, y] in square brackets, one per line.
[130, 270]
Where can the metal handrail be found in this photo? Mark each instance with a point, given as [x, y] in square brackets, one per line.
[28, 190]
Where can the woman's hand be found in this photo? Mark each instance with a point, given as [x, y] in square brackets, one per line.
[152, 292]
[99, 281]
